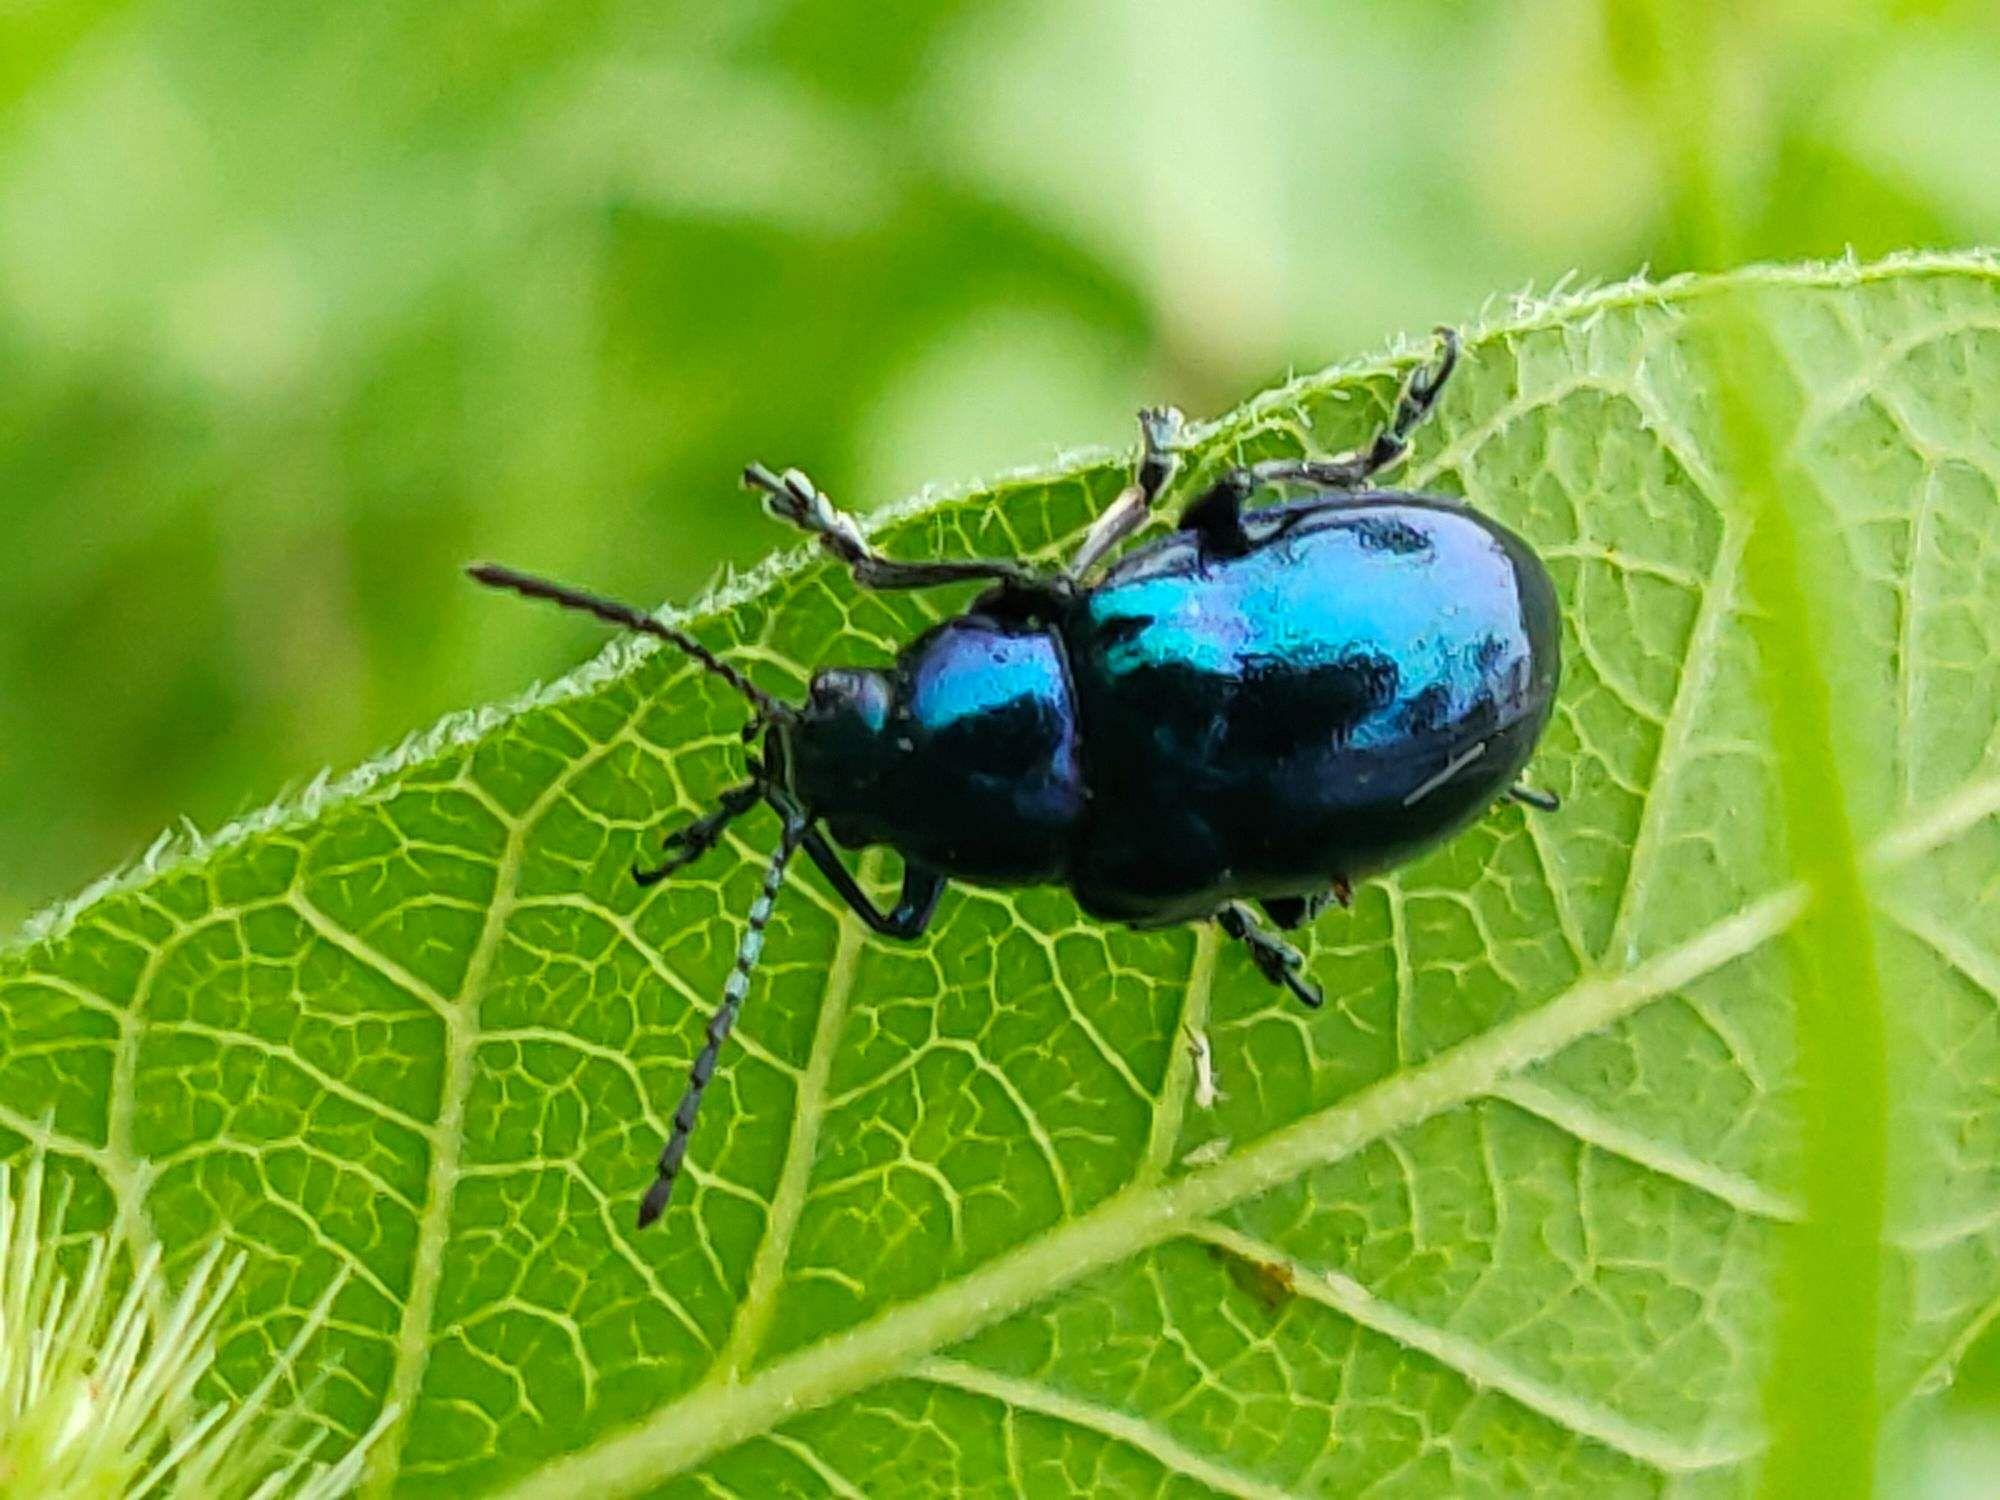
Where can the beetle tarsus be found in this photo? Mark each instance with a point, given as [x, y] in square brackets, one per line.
[1534, 797]
[1277, 960]
[1430, 379]
[692, 842]
[1160, 432]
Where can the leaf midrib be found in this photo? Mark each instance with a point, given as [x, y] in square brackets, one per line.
[1907, 840]
[718, 1417]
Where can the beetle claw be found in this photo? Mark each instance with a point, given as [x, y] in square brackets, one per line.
[1161, 427]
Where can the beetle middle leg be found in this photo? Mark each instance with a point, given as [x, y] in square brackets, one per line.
[1277, 960]
[792, 497]
[914, 908]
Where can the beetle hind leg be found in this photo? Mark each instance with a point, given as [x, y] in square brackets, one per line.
[1277, 960]
[1216, 515]
[1350, 471]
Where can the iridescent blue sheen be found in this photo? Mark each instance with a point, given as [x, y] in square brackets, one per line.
[1361, 682]
[975, 770]
[1358, 680]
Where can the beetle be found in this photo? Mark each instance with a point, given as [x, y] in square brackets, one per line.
[1251, 712]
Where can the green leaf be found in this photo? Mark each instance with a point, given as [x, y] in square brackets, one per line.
[1508, 1214]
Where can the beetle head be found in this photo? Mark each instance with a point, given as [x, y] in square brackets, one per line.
[837, 748]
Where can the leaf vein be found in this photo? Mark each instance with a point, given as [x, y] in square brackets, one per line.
[1177, 1082]
[1483, 1368]
[1590, 1127]
[461, 1020]
[1026, 1395]
[684, 1432]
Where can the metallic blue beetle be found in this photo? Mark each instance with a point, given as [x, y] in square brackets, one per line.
[1262, 707]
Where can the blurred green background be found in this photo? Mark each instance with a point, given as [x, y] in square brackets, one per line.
[303, 305]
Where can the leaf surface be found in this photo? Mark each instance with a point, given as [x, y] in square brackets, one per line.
[1505, 1215]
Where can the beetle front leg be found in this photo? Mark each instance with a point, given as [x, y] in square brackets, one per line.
[1277, 960]
[914, 908]
[792, 497]
[1160, 430]
[688, 844]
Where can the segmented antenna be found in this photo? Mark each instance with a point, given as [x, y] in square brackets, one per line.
[719, 1025]
[493, 575]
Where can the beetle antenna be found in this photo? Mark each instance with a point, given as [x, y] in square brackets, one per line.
[738, 985]
[493, 575]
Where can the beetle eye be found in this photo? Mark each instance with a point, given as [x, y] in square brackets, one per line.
[831, 688]
[844, 692]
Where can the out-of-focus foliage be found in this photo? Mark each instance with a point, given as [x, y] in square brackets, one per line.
[1525, 1209]
[301, 307]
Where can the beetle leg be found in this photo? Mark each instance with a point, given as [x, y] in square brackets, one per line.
[1160, 428]
[1541, 801]
[1216, 515]
[1277, 960]
[1289, 912]
[686, 845]
[792, 497]
[1351, 471]
[914, 908]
